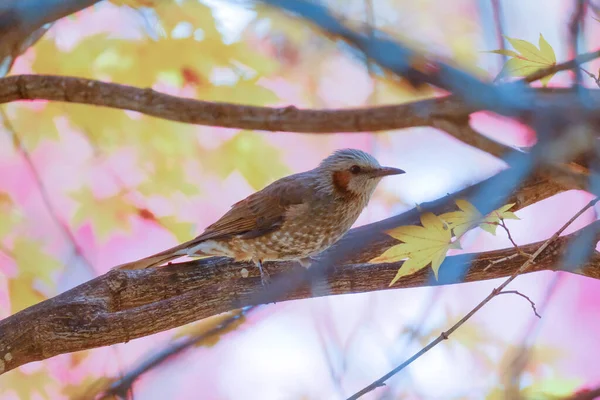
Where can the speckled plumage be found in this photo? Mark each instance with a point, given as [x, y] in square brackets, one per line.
[293, 218]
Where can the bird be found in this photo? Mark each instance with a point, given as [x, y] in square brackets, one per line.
[294, 218]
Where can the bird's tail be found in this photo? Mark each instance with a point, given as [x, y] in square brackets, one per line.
[158, 258]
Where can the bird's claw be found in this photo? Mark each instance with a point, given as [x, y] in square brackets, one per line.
[265, 278]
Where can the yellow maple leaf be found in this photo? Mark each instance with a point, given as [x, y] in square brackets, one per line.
[469, 217]
[27, 385]
[181, 230]
[33, 264]
[10, 218]
[529, 58]
[249, 153]
[423, 245]
[105, 214]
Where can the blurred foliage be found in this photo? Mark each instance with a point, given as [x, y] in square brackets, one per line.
[26, 386]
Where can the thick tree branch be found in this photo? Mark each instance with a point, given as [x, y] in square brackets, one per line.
[228, 115]
[288, 119]
[122, 305]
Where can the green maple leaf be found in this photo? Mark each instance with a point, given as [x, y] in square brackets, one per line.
[527, 58]
[469, 217]
[423, 245]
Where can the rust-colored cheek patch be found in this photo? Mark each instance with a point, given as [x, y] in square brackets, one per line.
[341, 180]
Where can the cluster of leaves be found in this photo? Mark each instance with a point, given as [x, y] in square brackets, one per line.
[429, 243]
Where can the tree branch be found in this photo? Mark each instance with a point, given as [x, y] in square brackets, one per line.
[228, 115]
[23, 22]
[126, 304]
[288, 119]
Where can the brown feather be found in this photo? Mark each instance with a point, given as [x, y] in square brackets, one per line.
[258, 214]
[341, 180]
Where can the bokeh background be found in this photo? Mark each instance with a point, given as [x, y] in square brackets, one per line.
[85, 188]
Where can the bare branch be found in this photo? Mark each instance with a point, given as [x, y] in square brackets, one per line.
[499, 28]
[523, 296]
[229, 115]
[575, 27]
[124, 384]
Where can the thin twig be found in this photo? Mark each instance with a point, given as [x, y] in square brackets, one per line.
[444, 335]
[499, 26]
[575, 27]
[501, 260]
[63, 227]
[370, 16]
[573, 63]
[519, 361]
[525, 297]
[593, 76]
[122, 386]
[502, 224]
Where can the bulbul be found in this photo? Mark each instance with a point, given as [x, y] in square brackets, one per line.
[293, 218]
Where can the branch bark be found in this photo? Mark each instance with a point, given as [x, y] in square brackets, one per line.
[126, 304]
[288, 119]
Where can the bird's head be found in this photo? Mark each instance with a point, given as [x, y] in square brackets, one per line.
[354, 173]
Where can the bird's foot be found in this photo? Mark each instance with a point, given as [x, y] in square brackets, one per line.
[306, 262]
[265, 278]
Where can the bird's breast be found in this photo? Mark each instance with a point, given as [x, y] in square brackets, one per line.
[307, 231]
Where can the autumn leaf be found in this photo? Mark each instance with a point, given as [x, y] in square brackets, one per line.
[89, 388]
[26, 386]
[33, 263]
[423, 245]
[35, 126]
[10, 218]
[490, 223]
[105, 214]
[182, 230]
[529, 58]
[469, 217]
[166, 177]
[257, 161]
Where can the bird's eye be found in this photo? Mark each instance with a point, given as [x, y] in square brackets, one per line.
[355, 169]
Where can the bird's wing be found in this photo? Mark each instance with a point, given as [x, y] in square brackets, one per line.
[256, 215]
[259, 213]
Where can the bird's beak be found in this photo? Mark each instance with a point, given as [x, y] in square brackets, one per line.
[385, 171]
